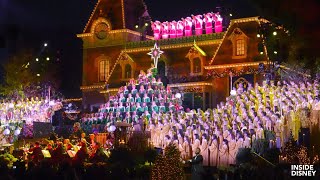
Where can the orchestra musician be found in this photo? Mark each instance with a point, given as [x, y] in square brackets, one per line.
[92, 141]
[36, 153]
[77, 131]
[82, 154]
[67, 145]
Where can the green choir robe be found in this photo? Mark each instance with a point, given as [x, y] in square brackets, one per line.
[138, 99]
[157, 91]
[155, 108]
[135, 118]
[128, 109]
[123, 99]
[121, 108]
[134, 91]
[131, 99]
[133, 108]
[140, 109]
[108, 109]
[128, 120]
[146, 99]
[148, 116]
[104, 121]
[126, 91]
[149, 76]
[99, 121]
[150, 91]
[145, 108]
[162, 108]
[172, 108]
[142, 92]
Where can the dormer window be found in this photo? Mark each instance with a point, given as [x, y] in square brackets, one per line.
[127, 66]
[197, 58]
[239, 44]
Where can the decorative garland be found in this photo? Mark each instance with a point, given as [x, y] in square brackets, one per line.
[227, 71]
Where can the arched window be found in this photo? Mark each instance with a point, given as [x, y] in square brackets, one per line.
[127, 71]
[103, 70]
[240, 47]
[196, 65]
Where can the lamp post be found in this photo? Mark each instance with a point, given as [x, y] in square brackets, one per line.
[231, 86]
[233, 94]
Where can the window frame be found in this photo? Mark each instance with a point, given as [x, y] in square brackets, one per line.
[104, 65]
[240, 47]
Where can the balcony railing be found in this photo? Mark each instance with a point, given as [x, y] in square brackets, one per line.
[189, 39]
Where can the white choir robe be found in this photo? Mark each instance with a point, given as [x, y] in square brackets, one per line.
[214, 153]
[247, 142]
[204, 151]
[195, 145]
[223, 155]
[232, 152]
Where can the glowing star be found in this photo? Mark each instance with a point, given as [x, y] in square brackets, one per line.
[155, 54]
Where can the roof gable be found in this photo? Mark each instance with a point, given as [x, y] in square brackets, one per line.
[233, 24]
[121, 14]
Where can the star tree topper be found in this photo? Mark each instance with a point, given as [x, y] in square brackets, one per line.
[155, 54]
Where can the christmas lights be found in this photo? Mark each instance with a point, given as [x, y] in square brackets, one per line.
[234, 65]
[91, 16]
[191, 84]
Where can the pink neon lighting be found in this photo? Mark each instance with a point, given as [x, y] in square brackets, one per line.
[173, 29]
[194, 25]
[180, 28]
[208, 21]
[157, 28]
[198, 22]
[165, 30]
[218, 23]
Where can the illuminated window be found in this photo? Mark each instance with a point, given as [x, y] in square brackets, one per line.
[240, 47]
[103, 70]
[127, 71]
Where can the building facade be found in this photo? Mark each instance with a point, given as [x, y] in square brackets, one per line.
[204, 65]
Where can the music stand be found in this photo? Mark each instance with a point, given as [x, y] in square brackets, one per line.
[46, 153]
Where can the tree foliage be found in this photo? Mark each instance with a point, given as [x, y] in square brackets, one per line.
[24, 76]
[169, 165]
[290, 150]
[17, 76]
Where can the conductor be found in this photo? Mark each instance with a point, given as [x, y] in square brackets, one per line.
[196, 166]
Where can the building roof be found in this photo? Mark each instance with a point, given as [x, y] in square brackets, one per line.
[123, 14]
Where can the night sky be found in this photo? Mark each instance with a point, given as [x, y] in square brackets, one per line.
[58, 21]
